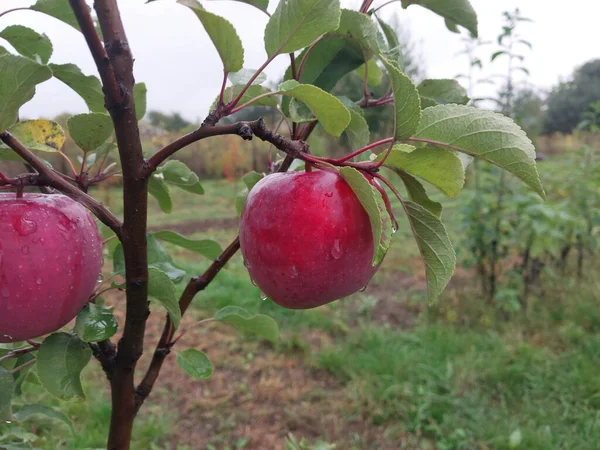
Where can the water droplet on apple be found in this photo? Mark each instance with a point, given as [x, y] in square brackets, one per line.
[294, 272]
[364, 288]
[38, 280]
[25, 250]
[5, 292]
[263, 296]
[247, 264]
[253, 282]
[25, 227]
[8, 422]
[336, 250]
[394, 226]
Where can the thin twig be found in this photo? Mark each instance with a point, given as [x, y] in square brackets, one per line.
[19, 352]
[48, 177]
[13, 10]
[22, 366]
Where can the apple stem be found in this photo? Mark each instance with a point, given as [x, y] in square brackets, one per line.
[307, 167]
[19, 191]
[387, 153]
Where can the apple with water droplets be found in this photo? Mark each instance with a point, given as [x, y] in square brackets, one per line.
[306, 239]
[50, 262]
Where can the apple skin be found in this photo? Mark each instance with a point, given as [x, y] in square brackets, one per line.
[306, 239]
[50, 261]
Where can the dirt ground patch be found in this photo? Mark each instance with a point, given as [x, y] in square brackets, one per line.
[256, 396]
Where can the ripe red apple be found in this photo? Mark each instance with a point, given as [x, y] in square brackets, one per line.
[306, 239]
[50, 260]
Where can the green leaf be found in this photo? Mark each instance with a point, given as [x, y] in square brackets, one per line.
[458, 12]
[222, 34]
[204, 247]
[371, 199]
[178, 174]
[241, 77]
[390, 34]
[299, 112]
[158, 258]
[327, 63]
[59, 9]
[195, 363]
[407, 103]
[18, 78]
[252, 92]
[451, 25]
[374, 73]
[434, 245]
[88, 87]
[162, 288]
[39, 135]
[417, 194]
[296, 24]
[158, 189]
[496, 54]
[394, 49]
[483, 134]
[139, 97]
[331, 113]
[28, 411]
[89, 131]
[250, 179]
[61, 358]
[261, 325]
[7, 387]
[358, 130]
[439, 92]
[360, 29]
[23, 373]
[28, 43]
[95, 323]
[440, 167]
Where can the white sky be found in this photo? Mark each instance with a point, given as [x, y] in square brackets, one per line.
[181, 68]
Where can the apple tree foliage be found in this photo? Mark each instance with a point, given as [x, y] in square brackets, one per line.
[436, 136]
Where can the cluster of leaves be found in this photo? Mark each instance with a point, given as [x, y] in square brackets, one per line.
[435, 137]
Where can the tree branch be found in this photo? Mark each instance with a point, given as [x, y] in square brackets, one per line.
[110, 85]
[47, 177]
[115, 65]
[163, 348]
[294, 148]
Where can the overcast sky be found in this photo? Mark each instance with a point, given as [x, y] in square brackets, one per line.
[181, 68]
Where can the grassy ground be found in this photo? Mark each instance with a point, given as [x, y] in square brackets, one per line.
[380, 370]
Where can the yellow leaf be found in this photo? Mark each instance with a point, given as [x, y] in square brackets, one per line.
[42, 135]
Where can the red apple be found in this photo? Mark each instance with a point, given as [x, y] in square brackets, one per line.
[50, 261]
[306, 239]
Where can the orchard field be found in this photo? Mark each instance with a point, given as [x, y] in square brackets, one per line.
[472, 193]
[380, 370]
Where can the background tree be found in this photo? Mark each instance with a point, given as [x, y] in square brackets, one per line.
[570, 99]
